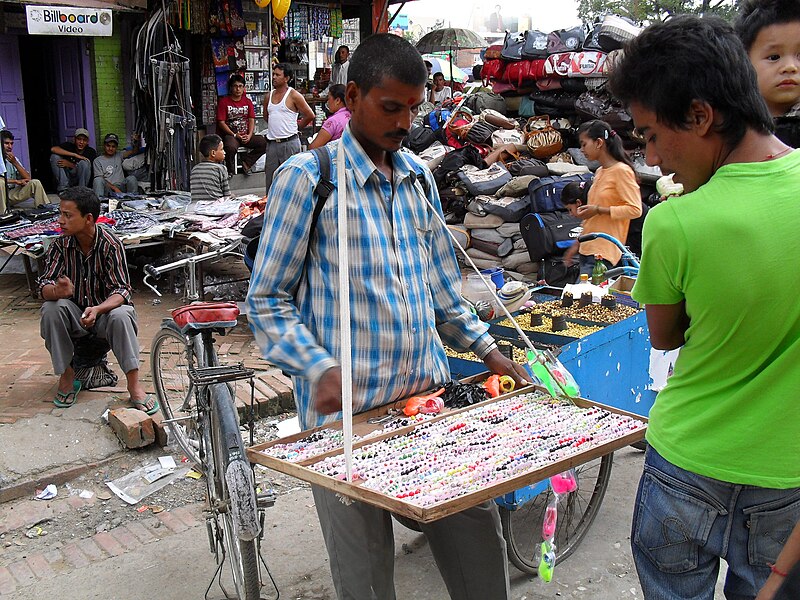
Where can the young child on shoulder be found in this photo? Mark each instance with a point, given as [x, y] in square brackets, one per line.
[612, 201]
[770, 32]
[209, 179]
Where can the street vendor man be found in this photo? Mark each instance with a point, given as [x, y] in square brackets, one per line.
[718, 277]
[86, 291]
[404, 303]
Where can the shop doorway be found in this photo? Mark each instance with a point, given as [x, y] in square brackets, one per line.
[56, 89]
[12, 105]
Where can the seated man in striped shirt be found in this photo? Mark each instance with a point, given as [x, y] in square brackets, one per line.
[86, 291]
[404, 303]
[209, 180]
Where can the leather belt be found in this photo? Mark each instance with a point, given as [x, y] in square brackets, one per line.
[286, 139]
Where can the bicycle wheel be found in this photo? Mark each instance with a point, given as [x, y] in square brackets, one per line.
[522, 528]
[242, 554]
[170, 358]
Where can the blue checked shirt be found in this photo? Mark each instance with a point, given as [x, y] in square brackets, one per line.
[404, 283]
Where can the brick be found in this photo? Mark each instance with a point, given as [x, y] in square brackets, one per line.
[172, 522]
[160, 429]
[125, 537]
[7, 583]
[76, 502]
[184, 515]
[133, 427]
[90, 548]
[283, 386]
[141, 532]
[74, 556]
[108, 543]
[40, 567]
[54, 556]
[24, 515]
[156, 527]
[22, 573]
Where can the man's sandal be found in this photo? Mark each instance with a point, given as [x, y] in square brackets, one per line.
[67, 399]
[141, 404]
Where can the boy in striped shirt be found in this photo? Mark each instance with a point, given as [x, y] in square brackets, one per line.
[209, 180]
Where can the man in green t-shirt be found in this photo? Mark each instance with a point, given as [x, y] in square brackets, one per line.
[718, 277]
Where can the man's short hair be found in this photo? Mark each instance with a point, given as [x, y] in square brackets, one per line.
[5, 134]
[439, 74]
[337, 91]
[687, 58]
[285, 68]
[386, 55]
[235, 78]
[84, 198]
[755, 15]
[209, 143]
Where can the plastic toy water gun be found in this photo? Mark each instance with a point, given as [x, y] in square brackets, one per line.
[417, 404]
[551, 374]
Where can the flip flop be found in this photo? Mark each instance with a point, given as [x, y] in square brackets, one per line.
[67, 399]
[140, 404]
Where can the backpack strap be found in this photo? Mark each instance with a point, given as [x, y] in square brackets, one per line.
[324, 186]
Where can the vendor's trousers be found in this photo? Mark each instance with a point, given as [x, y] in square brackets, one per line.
[279, 152]
[684, 523]
[80, 174]
[468, 548]
[61, 324]
[255, 148]
[20, 193]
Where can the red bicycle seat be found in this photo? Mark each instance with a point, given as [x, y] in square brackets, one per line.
[206, 315]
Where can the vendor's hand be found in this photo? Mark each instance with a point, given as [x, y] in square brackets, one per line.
[89, 317]
[64, 288]
[496, 362]
[64, 163]
[569, 255]
[245, 137]
[328, 395]
[588, 211]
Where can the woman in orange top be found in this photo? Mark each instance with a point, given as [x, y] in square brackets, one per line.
[614, 198]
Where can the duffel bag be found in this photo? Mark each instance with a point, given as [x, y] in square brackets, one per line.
[493, 52]
[591, 42]
[587, 64]
[565, 40]
[507, 136]
[493, 69]
[419, 138]
[600, 105]
[557, 65]
[573, 85]
[483, 182]
[480, 101]
[510, 209]
[543, 140]
[512, 46]
[556, 104]
[549, 84]
[480, 132]
[527, 166]
[452, 163]
[544, 193]
[549, 234]
[555, 273]
[535, 45]
[615, 31]
[524, 71]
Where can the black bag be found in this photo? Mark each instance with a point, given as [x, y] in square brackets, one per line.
[419, 138]
[565, 40]
[544, 193]
[555, 273]
[592, 41]
[480, 101]
[511, 210]
[528, 166]
[555, 104]
[549, 234]
[535, 45]
[601, 105]
[512, 46]
[480, 132]
[453, 161]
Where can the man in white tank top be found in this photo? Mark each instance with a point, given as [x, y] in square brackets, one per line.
[281, 108]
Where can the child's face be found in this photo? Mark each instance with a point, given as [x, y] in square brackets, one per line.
[775, 54]
[217, 155]
[589, 147]
[110, 148]
[573, 208]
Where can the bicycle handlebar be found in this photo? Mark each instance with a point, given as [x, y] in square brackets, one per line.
[626, 254]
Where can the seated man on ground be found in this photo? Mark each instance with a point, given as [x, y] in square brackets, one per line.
[20, 185]
[86, 291]
[209, 180]
[236, 122]
[71, 162]
[441, 93]
[334, 125]
[109, 176]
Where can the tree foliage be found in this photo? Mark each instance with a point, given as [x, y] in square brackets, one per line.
[652, 11]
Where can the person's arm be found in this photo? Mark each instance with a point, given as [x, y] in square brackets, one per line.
[628, 201]
[271, 307]
[134, 147]
[222, 119]
[302, 107]
[322, 138]
[786, 561]
[251, 125]
[68, 154]
[265, 107]
[24, 176]
[225, 184]
[569, 255]
[53, 283]
[432, 98]
[668, 324]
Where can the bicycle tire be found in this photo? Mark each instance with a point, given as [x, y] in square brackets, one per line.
[242, 554]
[170, 359]
[522, 527]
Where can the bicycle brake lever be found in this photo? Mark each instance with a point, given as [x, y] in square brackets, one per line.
[152, 287]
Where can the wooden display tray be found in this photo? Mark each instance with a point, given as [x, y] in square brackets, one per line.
[362, 427]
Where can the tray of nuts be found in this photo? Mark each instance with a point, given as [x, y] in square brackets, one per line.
[555, 326]
[594, 313]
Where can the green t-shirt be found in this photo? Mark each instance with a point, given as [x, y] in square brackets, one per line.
[731, 250]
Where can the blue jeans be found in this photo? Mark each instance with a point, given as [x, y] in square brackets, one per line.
[684, 523]
[130, 185]
[64, 177]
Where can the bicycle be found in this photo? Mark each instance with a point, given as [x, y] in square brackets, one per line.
[197, 403]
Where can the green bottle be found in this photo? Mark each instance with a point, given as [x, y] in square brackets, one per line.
[599, 270]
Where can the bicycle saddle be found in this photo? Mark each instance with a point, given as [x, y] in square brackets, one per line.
[206, 315]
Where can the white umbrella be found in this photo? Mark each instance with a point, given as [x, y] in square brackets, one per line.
[446, 68]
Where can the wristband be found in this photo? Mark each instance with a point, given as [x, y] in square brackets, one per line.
[775, 570]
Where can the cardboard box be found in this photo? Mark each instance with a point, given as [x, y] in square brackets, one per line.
[621, 289]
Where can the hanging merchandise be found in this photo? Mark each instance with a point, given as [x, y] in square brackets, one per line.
[163, 104]
[280, 8]
[226, 18]
[337, 26]
[262, 3]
